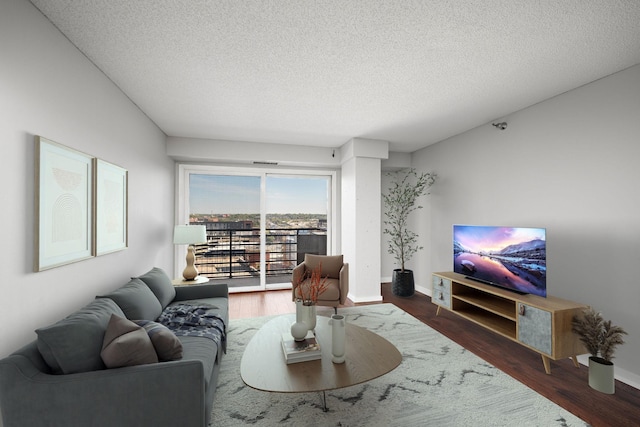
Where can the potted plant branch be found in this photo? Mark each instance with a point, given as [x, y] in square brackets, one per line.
[310, 285]
[600, 338]
[315, 285]
[400, 200]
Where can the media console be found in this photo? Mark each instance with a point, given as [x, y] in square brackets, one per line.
[541, 324]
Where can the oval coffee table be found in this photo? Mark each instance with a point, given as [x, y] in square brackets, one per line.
[263, 366]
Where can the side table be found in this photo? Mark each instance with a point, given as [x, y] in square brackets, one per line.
[199, 280]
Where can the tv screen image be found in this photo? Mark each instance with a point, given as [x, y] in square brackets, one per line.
[514, 258]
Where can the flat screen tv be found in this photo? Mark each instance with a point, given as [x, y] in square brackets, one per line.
[513, 258]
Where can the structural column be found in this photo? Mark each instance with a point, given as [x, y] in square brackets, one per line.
[361, 215]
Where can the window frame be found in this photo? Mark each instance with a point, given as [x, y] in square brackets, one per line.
[184, 170]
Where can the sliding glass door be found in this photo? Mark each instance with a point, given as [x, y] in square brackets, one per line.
[259, 223]
[229, 206]
[296, 218]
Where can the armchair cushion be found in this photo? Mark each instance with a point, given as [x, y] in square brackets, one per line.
[332, 293]
[331, 264]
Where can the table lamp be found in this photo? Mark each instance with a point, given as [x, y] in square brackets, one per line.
[190, 235]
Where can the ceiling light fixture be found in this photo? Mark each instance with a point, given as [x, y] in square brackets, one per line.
[501, 125]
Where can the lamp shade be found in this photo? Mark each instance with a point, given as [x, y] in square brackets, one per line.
[189, 234]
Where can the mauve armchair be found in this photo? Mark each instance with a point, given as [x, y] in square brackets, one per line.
[336, 272]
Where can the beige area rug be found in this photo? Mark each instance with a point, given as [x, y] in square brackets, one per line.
[438, 383]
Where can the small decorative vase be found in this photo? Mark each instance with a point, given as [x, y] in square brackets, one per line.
[306, 313]
[601, 376]
[338, 338]
[299, 331]
[299, 313]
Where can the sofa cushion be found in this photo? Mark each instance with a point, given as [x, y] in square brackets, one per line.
[331, 264]
[166, 343]
[74, 343]
[160, 284]
[126, 344]
[136, 300]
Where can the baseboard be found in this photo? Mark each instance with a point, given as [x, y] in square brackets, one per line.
[372, 298]
[423, 290]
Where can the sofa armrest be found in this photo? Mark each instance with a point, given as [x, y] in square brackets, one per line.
[169, 393]
[184, 293]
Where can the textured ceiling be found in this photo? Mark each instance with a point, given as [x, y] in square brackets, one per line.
[320, 73]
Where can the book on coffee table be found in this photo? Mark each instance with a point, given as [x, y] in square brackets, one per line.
[300, 351]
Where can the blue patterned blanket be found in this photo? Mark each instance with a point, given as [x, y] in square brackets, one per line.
[195, 320]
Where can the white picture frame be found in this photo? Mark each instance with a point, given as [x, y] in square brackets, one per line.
[111, 207]
[63, 205]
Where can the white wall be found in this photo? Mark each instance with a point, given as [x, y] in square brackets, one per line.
[245, 153]
[48, 88]
[569, 164]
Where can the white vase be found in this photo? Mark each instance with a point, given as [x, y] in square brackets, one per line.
[601, 376]
[299, 331]
[299, 314]
[338, 338]
[306, 314]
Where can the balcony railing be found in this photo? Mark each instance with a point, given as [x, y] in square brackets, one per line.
[235, 253]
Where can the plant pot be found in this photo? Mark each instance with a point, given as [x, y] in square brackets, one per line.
[402, 283]
[601, 376]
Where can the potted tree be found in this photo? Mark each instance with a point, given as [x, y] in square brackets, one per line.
[405, 188]
[600, 338]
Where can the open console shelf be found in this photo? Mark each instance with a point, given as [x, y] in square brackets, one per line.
[541, 324]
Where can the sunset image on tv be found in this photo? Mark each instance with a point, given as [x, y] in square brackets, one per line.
[509, 257]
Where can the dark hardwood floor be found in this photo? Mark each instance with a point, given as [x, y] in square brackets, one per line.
[567, 385]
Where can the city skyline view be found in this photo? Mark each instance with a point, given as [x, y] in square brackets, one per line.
[236, 194]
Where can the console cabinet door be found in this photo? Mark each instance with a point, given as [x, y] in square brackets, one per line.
[534, 328]
[441, 291]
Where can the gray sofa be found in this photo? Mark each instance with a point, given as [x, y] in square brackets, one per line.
[61, 379]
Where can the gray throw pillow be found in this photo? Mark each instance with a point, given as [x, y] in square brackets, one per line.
[136, 300]
[160, 284]
[126, 344]
[73, 344]
[168, 346]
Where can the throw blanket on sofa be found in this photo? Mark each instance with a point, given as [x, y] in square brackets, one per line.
[190, 320]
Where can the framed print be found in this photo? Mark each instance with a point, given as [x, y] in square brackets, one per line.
[63, 205]
[110, 207]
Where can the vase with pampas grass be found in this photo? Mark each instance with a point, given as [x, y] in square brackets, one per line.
[600, 338]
